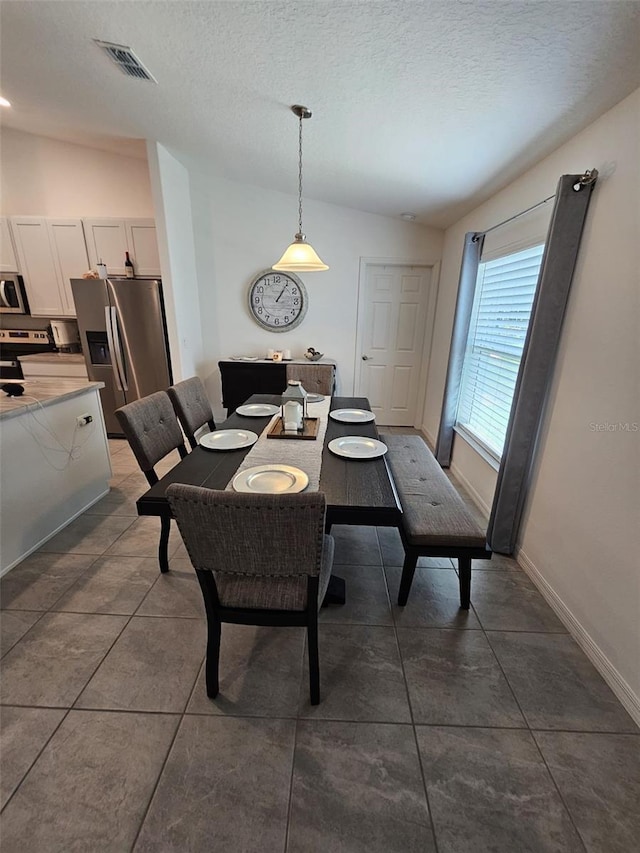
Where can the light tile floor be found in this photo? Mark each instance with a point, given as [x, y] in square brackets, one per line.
[438, 730]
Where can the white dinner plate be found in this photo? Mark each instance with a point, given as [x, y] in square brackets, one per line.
[228, 439]
[271, 479]
[257, 410]
[357, 447]
[352, 416]
[315, 398]
[244, 357]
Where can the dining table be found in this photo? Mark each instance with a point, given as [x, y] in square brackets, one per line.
[357, 491]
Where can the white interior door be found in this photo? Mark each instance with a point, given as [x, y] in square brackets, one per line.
[396, 329]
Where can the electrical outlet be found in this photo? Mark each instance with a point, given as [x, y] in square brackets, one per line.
[83, 420]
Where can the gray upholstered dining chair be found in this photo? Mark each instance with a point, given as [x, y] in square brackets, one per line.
[260, 560]
[314, 377]
[153, 431]
[191, 405]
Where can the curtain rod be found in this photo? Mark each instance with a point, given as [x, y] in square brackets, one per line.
[511, 218]
[589, 177]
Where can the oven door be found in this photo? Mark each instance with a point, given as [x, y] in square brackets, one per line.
[13, 299]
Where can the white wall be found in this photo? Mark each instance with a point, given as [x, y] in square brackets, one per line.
[579, 538]
[241, 230]
[174, 229]
[46, 177]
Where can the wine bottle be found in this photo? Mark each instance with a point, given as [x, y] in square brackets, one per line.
[128, 266]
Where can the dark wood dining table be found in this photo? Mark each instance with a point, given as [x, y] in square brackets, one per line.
[357, 491]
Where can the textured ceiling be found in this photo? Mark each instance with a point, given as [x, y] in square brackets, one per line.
[418, 106]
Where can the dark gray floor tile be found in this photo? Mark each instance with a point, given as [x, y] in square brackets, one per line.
[557, 687]
[14, 624]
[357, 787]
[356, 546]
[141, 538]
[434, 600]
[53, 662]
[260, 672]
[489, 790]
[175, 593]
[508, 601]
[360, 676]
[152, 667]
[91, 785]
[367, 600]
[111, 585]
[454, 678]
[88, 534]
[393, 552]
[598, 776]
[39, 581]
[225, 787]
[23, 733]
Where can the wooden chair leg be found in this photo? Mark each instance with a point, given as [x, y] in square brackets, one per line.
[314, 660]
[464, 570]
[163, 549]
[408, 571]
[213, 657]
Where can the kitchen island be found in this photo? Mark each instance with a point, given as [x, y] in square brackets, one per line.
[51, 468]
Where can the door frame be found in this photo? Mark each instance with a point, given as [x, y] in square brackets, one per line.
[425, 357]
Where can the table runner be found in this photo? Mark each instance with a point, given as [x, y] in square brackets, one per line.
[303, 454]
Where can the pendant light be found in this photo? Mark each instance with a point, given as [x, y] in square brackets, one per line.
[300, 256]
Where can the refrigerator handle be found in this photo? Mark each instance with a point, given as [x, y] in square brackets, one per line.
[112, 349]
[118, 348]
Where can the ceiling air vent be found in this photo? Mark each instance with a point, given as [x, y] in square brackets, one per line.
[126, 60]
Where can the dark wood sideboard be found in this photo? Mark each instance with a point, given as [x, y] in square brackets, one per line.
[241, 379]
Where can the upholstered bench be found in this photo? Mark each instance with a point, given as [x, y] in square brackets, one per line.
[435, 521]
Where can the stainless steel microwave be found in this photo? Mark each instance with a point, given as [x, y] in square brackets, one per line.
[13, 297]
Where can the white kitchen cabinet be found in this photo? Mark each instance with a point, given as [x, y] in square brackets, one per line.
[109, 239]
[8, 260]
[50, 252]
[143, 246]
[69, 255]
[107, 242]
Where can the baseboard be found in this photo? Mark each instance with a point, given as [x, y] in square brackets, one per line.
[53, 533]
[607, 670]
[430, 439]
[475, 494]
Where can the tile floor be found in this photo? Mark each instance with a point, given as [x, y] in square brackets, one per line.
[438, 730]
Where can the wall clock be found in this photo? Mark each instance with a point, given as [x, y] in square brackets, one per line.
[277, 300]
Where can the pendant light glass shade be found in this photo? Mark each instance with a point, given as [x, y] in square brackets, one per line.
[300, 256]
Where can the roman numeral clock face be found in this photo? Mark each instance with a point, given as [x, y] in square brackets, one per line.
[277, 300]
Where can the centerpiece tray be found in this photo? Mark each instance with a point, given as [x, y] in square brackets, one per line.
[309, 431]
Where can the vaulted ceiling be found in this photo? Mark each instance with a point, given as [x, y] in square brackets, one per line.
[427, 107]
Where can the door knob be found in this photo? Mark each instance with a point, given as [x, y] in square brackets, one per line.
[366, 357]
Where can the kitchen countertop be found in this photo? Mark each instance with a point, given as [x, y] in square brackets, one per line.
[54, 358]
[43, 392]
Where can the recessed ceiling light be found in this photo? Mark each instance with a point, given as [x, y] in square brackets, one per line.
[408, 216]
[4, 102]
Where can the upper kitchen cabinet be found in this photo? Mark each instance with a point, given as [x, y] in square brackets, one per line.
[109, 239]
[143, 246]
[50, 253]
[8, 261]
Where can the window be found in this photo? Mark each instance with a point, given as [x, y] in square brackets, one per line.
[504, 294]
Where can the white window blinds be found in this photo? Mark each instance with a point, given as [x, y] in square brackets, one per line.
[502, 306]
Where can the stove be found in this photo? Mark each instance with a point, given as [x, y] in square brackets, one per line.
[15, 342]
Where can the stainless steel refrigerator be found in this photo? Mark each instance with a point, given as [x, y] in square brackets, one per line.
[124, 339]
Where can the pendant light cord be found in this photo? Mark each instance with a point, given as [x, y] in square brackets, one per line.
[300, 176]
